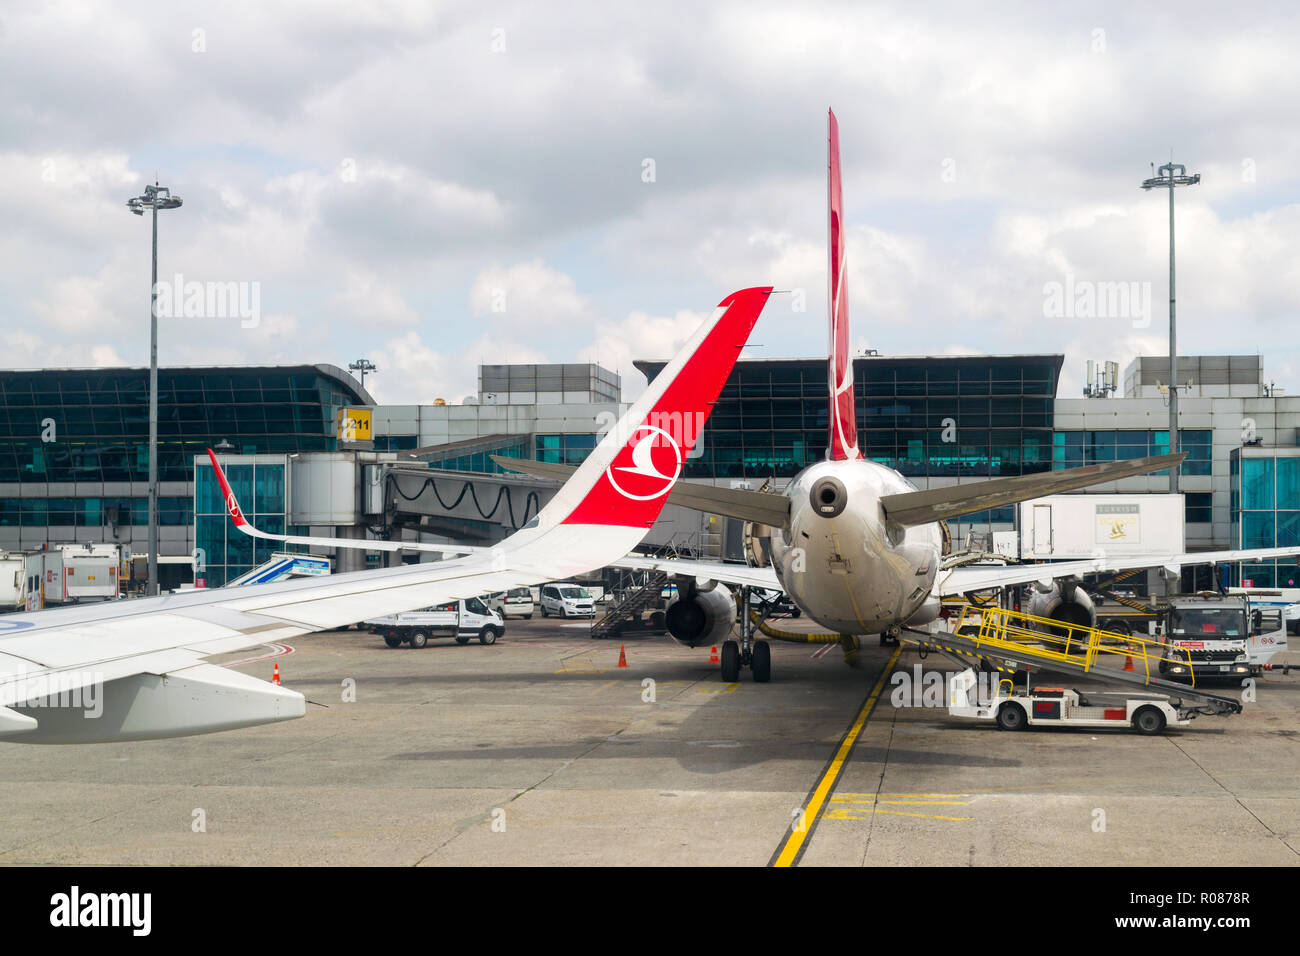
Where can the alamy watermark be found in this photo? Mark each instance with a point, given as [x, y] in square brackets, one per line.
[1086, 299]
[67, 689]
[177, 299]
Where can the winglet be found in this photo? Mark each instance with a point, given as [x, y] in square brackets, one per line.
[232, 505]
[625, 481]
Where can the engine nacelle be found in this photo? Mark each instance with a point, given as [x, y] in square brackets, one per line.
[927, 613]
[1064, 601]
[697, 617]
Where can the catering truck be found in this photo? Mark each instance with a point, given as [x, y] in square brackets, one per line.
[1212, 635]
[72, 574]
[13, 582]
[1079, 526]
[463, 620]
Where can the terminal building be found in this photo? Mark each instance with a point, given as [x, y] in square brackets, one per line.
[309, 451]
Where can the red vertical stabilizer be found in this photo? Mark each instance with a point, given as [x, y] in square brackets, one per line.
[843, 418]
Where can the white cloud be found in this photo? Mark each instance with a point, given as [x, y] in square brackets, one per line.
[528, 295]
[639, 336]
[382, 165]
[365, 298]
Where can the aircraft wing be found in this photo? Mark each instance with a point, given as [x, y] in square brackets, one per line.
[965, 579]
[908, 508]
[962, 580]
[936, 504]
[138, 669]
[704, 570]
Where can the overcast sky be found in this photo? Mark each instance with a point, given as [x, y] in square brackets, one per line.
[436, 185]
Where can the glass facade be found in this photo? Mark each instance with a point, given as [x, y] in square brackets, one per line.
[225, 552]
[92, 512]
[93, 424]
[962, 416]
[479, 460]
[1264, 510]
[564, 449]
[1073, 448]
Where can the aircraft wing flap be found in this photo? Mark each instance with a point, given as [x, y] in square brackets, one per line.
[705, 570]
[938, 504]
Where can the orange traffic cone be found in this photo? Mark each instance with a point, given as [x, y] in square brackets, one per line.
[713, 655]
[1128, 662]
[622, 656]
[275, 676]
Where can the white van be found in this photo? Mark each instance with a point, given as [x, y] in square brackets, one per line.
[462, 620]
[517, 602]
[567, 599]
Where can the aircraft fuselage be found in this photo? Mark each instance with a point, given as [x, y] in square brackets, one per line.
[842, 561]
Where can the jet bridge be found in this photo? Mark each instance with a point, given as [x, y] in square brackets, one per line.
[479, 507]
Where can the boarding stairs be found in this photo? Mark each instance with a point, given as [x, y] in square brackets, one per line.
[630, 604]
[282, 565]
[1003, 637]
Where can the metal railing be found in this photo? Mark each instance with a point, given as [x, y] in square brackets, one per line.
[996, 629]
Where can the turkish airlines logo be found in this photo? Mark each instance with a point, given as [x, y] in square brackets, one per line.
[233, 505]
[656, 463]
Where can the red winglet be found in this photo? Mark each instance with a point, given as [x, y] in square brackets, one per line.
[636, 479]
[232, 505]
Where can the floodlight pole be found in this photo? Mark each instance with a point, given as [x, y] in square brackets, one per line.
[1169, 178]
[151, 587]
[155, 196]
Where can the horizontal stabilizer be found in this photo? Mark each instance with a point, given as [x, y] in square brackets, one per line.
[937, 504]
[760, 506]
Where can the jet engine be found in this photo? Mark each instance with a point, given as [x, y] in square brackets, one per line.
[701, 615]
[1064, 601]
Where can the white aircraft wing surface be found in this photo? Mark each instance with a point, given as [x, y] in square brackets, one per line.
[137, 669]
[962, 580]
[704, 570]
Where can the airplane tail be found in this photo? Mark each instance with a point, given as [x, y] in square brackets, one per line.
[843, 415]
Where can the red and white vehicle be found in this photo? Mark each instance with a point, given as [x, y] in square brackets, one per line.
[1061, 707]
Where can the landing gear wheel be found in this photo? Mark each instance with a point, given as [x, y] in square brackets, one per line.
[1012, 717]
[730, 662]
[487, 636]
[419, 639]
[1148, 721]
[392, 640]
[761, 663]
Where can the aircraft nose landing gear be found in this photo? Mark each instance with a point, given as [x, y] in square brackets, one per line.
[747, 652]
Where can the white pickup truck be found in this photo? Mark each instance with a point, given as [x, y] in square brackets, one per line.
[463, 620]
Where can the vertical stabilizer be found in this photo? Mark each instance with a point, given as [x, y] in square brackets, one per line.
[843, 418]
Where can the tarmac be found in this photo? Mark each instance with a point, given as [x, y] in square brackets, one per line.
[540, 750]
